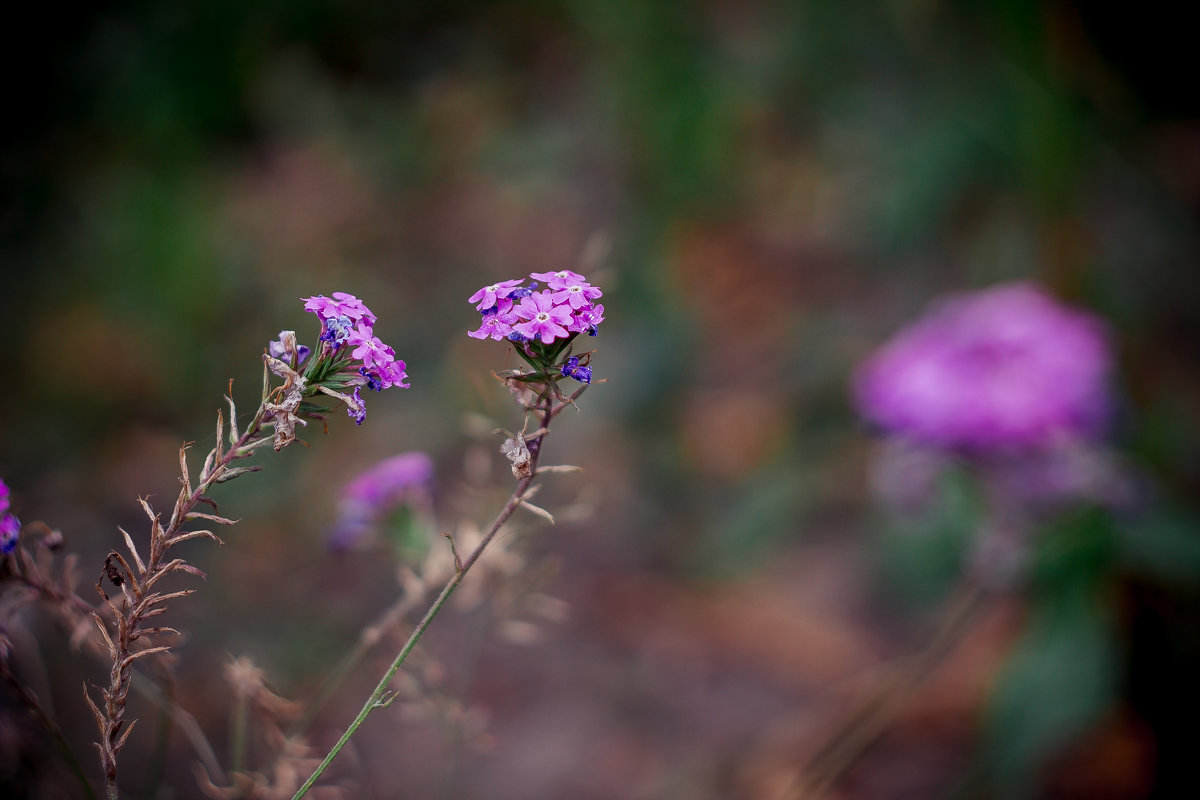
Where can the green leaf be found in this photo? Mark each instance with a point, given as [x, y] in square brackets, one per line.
[1060, 680]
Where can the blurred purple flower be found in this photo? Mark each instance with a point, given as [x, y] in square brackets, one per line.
[403, 479]
[999, 369]
[10, 526]
[10, 533]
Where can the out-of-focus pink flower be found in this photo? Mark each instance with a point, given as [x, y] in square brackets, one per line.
[999, 369]
[405, 478]
[10, 526]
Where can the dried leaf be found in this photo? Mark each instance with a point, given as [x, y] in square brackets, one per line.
[211, 517]
[133, 550]
[234, 472]
[155, 599]
[108, 642]
[184, 476]
[233, 430]
[121, 742]
[219, 447]
[183, 537]
[156, 630]
[92, 705]
[541, 512]
[515, 450]
[149, 511]
[191, 570]
[149, 651]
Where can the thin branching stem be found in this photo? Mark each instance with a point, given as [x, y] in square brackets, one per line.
[545, 410]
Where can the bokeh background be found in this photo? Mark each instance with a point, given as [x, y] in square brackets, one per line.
[768, 190]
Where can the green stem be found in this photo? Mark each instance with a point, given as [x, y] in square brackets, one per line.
[377, 697]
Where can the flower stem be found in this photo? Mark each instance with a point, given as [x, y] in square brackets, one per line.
[378, 698]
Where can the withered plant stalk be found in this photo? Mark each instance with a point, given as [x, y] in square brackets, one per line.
[140, 601]
[544, 409]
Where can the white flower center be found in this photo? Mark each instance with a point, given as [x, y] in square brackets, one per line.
[542, 317]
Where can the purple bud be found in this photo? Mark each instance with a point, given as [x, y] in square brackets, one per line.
[359, 414]
[571, 369]
[10, 532]
[337, 330]
[374, 382]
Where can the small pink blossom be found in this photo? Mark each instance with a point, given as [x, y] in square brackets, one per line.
[494, 325]
[560, 279]
[369, 349]
[544, 319]
[586, 319]
[340, 305]
[577, 294]
[392, 374]
[488, 295]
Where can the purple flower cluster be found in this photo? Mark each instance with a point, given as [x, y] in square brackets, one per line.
[10, 526]
[566, 307]
[999, 369]
[346, 327]
[405, 478]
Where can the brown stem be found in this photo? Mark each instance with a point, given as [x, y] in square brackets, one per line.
[140, 601]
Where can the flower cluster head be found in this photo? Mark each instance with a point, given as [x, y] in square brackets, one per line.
[562, 310]
[1002, 369]
[10, 526]
[348, 356]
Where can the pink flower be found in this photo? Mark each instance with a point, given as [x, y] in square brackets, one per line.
[340, 305]
[1006, 367]
[577, 294]
[369, 349]
[403, 479]
[392, 374]
[560, 279]
[586, 319]
[545, 319]
[494, 325]
[488, 295]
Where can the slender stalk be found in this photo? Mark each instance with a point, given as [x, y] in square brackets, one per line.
[872, 717]
[378, 698]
